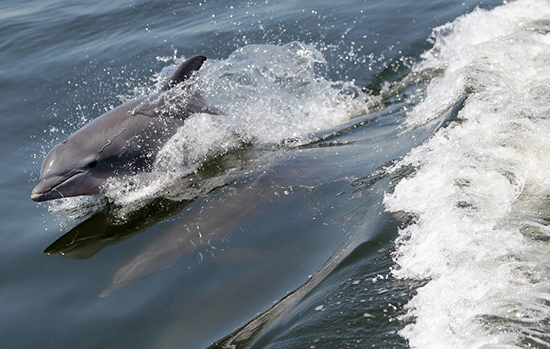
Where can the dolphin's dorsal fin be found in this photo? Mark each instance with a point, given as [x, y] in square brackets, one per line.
[184, 71]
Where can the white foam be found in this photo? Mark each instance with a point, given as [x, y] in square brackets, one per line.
[481, 185]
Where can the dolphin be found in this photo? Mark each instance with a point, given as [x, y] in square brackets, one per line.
[122, 141]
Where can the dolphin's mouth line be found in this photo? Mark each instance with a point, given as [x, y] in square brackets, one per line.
[64, 181]
[35, 196]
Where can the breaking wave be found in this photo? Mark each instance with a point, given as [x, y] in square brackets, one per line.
[479, 193]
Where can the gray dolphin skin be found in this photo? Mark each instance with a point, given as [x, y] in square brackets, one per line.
[122, 141]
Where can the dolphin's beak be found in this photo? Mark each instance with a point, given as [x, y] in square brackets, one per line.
[38, 195]
[58, 187]
[50, 188]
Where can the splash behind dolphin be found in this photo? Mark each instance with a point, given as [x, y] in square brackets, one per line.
[124, 140]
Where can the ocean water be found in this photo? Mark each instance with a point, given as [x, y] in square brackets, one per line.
[378, 176]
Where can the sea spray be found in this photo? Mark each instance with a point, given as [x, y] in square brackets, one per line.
[268, 96]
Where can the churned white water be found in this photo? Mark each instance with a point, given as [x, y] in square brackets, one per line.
[479, 196]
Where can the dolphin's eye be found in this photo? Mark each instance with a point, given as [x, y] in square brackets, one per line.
[92, 164]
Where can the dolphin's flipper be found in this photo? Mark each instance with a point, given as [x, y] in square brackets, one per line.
[184, 71]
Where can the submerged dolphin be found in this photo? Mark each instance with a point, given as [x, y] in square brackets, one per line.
[124, 140]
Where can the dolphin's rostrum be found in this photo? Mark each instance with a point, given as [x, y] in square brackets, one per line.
[124, 140]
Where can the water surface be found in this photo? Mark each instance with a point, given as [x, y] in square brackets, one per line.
[378, 178]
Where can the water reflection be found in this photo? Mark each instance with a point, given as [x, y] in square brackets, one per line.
[103, 229]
